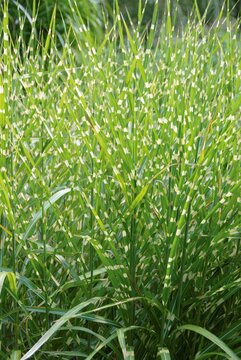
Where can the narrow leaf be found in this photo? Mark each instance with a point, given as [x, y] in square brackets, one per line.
[213, 338]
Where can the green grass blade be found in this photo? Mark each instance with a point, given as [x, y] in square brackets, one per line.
[163, 354]
[213, 338]
[68, 316]
[2, 103]
[11, 279]
[15, 355]
[47, 205]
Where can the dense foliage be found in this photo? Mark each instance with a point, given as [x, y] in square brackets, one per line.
[120, 193]
[210, 9]
[94, 13]
[21, 13]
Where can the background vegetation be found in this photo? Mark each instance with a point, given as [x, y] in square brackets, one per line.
[120, 190]
[94, 13]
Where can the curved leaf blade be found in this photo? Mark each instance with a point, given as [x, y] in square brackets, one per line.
[213, 338]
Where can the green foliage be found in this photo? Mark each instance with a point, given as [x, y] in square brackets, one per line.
[94, 13]
[21, 14]
[209, 8]
[120, 193]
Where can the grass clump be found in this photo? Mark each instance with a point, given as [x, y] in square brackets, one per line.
[120, 195]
